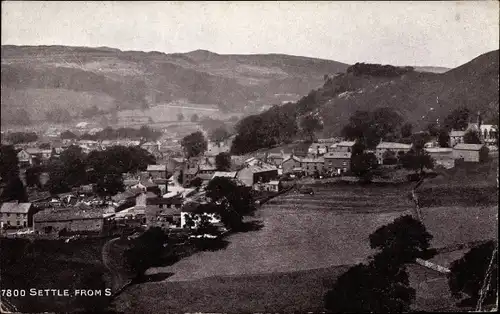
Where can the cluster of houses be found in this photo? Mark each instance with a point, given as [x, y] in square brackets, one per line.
[159, 195]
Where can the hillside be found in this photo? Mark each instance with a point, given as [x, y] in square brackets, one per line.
[419, 97]
[403, 94]
[41, 78]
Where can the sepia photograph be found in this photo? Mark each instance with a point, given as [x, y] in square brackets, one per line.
[249, 156]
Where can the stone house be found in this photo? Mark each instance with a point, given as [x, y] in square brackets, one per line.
[17, 215]
[470, 152]
[70, 220]
[337, 162]
[396, 149]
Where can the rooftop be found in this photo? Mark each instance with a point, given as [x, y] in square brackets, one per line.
[338, 155]
[346, 143]
[463, 146]
[225, 174]
[157, 168]
[457, 133]
[68, 214]
[15, 208]
[393, 145]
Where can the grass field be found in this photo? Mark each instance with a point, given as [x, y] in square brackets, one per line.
[304, 245]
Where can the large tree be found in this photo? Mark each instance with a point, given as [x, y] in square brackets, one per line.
[146, 251]
[367, 289]
[362, 163]
[233, 201]
[310, 124]
[406, 130]
[458, 119]
[443, 138]
[73, 159]
[371, 127]
[33, 176]
[109, 183]
[417, 159]
[194, 144]
[8, 162]
[401, 241]
[223, 161]
[467, 275]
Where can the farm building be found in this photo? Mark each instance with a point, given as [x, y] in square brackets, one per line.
[157, 171]
[276, 158]
[14, 214]
[470, 152]
[312, 165]
[344, 146]
[385, 148]
[70, 220]
[261, 172]
[291, 163]
[337, 162]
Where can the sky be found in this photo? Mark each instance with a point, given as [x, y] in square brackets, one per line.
[444, 34]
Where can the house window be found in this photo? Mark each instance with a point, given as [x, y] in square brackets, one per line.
[344, 163]
[18, 223]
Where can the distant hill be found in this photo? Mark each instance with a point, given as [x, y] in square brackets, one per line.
[419, 97]
[41, 78]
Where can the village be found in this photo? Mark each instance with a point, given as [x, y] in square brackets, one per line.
[158, 195]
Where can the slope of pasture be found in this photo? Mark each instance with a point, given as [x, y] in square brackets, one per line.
[305, 244]
[38, 102]
[302, 232]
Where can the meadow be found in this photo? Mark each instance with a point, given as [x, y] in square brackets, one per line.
[306, 242]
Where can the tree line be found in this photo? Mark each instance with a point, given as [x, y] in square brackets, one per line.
[74, 168]
[109, 133]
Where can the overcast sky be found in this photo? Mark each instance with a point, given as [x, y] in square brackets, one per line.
[402, 33]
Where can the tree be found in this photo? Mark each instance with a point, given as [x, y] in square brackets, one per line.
[401, 241]
[14, 190]
[109, 183]
[362, 163]
[223, 161]
[233, 201]
[33, 176]
[370, 127]
[406, 130]
[195, 118]
[443, 138]
[8, 162]
[194, 144]
[73, 160]
[468, 273]
[57, 178]
[417, 159]
[22, 137]
[146, 251]
[433, 129]
[366, 289]
[180, 116]
[310, 124]
[472, 137]
[458, 119]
